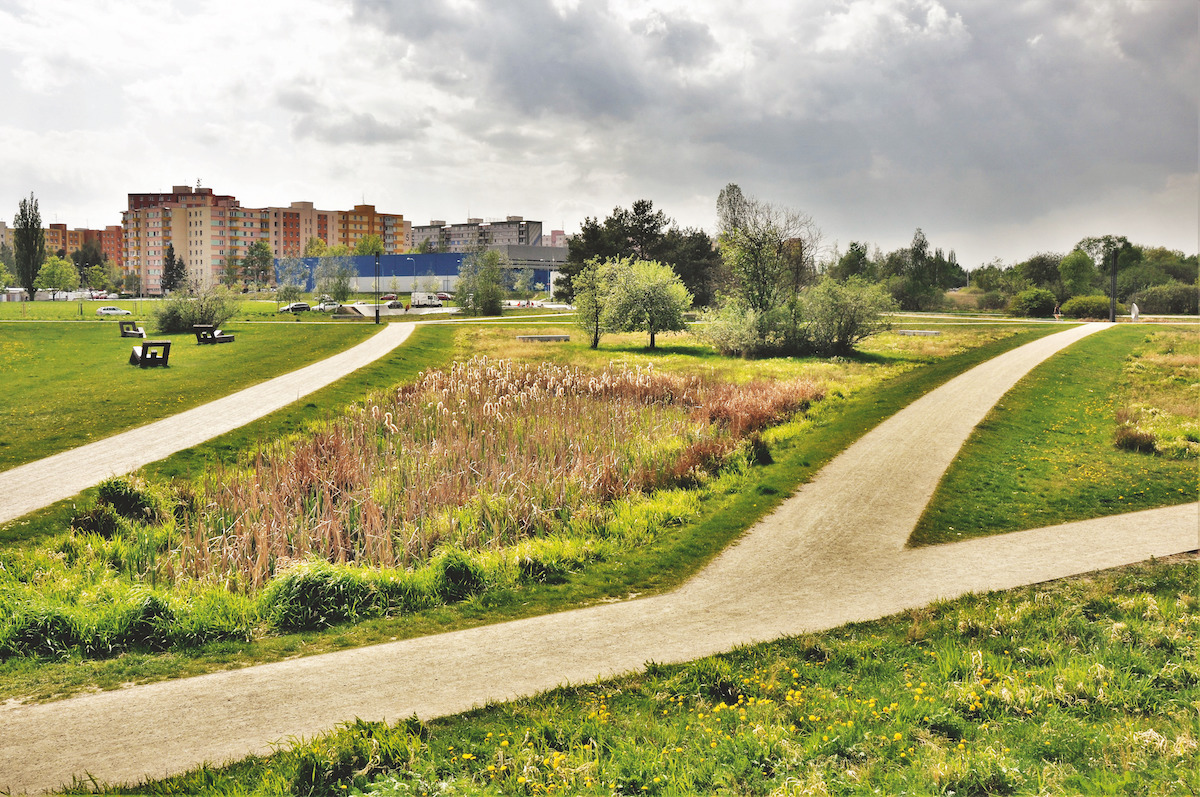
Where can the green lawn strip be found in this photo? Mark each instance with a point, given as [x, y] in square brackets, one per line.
[799, 450]
[1081, 686]
[1045, 452]
[70, 384]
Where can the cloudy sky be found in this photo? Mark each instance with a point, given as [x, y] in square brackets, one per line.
[1000, 127]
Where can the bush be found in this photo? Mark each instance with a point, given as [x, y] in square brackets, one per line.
[991, 300]
[316, 594]
[179, 312]
[838, 315]
[1088, 307]
[133, 498]
[1033, 303]
[734, 330]
[461, 576]
[1173, 298]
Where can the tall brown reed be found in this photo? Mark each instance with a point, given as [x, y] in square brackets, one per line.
[481, 455]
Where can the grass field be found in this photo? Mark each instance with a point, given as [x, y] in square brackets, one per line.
[862, 393]
[1046, 453]
[1085, 686]
[69, 384]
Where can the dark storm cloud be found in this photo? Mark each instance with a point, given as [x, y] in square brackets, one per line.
[523, 57]
[962, 108]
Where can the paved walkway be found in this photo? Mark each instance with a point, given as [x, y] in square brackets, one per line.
[831, 554]
[30, 487]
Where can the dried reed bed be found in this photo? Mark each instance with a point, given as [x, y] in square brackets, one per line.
[482, 455]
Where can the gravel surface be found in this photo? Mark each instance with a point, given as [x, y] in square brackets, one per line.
[832, 553]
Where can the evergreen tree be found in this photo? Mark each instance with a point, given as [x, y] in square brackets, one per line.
[29, 244]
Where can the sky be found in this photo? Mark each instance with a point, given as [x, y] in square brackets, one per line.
[1001, 128]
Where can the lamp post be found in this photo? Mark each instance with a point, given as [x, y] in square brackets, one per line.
[1112, 300]
[376, 288]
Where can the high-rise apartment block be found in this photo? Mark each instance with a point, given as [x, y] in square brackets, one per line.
[477, 234]
[208, 229]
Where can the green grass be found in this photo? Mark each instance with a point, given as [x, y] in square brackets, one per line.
[1084, 686]
[799, 449]
[1045, 453]
[68, 384]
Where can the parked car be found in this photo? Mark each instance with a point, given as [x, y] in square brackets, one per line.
[387, 297]
[295, 307]
[445, 297]
[112, 311]
[327, 307]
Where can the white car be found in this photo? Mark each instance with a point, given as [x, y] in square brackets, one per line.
[112, 311]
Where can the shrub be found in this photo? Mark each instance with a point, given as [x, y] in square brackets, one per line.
[991, 300]
[1088, 307]
[179, 312]
[1133, 438]
[734, 330]
[133, 498]
[460, 576]
[837, 315]
[1033, 303]
[1173, 298]
[315, 594]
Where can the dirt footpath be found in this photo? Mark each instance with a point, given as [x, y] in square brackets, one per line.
[831, 554]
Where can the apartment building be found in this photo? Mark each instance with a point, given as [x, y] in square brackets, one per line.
[206, 229]
[477, 233]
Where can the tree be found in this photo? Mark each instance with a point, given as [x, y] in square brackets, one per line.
[523, 280]
[1077, 272]
[292, 277]
[258, 262]
[29, 244]
[315, 247]
[690, 252]
[480, 282]
[370, 245]
[731, 209]
[647, 296]
[57, 274]
[6, 276]
[86, 256]
[8, 258]
[133, 283]
[231, 271]
[174, 276]
[855, 263]
[96, 277]
[591, 290]
[334, 277]
[642, 233]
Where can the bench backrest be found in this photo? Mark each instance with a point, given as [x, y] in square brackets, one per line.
[156, 350]
[128, 326]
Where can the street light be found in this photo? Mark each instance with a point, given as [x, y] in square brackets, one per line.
[376, 287]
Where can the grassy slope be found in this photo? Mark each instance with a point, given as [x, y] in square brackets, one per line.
[1045, 453]
[1086, 686]
[671, 559]
[69, 384]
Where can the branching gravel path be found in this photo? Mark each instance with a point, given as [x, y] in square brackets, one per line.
[831, 554]
[30, 487]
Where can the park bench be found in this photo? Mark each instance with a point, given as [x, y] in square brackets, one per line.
[545, 338]
[151, 354]
[206, 333]
[130, 329]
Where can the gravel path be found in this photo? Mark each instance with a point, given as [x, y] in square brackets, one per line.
[30, 487]
[831, 554]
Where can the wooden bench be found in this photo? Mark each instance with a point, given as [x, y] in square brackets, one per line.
[545, 338]
[151, 354]
[206, 333]
[130, 329]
